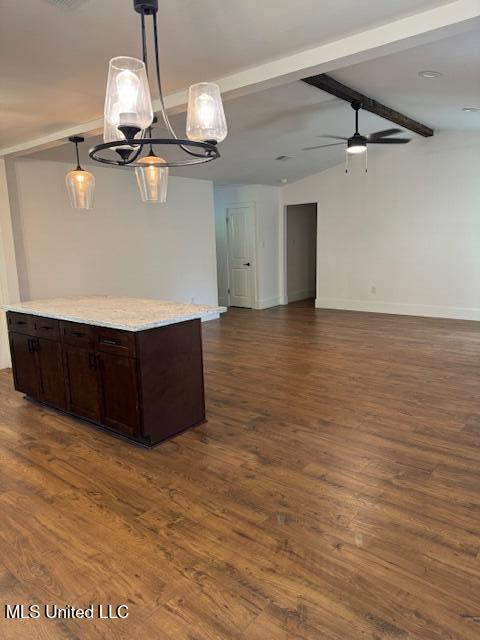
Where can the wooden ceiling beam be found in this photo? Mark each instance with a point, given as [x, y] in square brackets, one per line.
[335, 88]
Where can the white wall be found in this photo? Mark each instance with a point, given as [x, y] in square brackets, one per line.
[267, 206]
[405, 238]
[301, 251]
[121, 247]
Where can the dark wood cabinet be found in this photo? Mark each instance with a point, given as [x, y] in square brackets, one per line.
[119, 397]
[50, 368]
[24, 364]
[145, 385]
[81, 382]
[38, 368]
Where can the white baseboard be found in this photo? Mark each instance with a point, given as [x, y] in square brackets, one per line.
[267, 303]
[429, 311]
[299, 295]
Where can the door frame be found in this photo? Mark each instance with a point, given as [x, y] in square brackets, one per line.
[283, 251]
[9, 289]
[5, 359]
[240, 205]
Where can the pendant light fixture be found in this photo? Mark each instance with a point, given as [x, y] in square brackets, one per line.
[80, 183]
[152, 178]
[128, 119]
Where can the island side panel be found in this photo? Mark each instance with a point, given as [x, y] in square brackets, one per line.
[170, 365]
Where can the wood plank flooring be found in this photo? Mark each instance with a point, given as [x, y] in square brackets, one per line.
[334, 493]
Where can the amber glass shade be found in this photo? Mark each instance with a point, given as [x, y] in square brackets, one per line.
[152, 179]
[80, 187]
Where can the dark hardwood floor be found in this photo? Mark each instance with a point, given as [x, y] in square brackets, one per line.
[334, 493]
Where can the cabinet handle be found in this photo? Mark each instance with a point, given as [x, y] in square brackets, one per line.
[21, 322]
[46, 328]
[33, 345]
[78, 334]
[114, 343]
[92, 361]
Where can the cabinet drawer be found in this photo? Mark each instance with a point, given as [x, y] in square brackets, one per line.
[76, 334]
[47, 328]
[21, 323]
[114, 341]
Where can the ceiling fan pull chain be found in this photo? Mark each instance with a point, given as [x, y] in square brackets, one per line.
[366, 160]
[346, 163]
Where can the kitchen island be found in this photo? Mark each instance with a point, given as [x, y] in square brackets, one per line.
[132, 366]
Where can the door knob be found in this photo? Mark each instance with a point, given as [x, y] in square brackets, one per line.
[246, 264]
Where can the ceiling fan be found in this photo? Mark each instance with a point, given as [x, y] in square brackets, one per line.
[358, 143]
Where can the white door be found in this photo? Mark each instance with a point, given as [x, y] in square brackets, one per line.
[241, 254]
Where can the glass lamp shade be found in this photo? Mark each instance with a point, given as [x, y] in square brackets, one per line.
[127, 100]
[152, 179]
[80, 186]
[205, 114]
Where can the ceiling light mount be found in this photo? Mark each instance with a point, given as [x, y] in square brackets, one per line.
[146, 7]
[428, 73]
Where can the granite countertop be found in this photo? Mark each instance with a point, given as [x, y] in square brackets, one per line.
[130, 314]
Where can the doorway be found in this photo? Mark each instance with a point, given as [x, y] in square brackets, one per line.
[301, 251]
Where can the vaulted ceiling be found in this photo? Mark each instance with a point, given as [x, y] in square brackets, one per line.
[54, 56]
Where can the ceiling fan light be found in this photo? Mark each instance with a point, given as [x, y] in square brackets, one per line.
[152, 179]
[80, 187]
[205, 114]
[356, 148]
[127, 100]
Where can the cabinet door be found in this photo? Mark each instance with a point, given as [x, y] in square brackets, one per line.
[25, 364]
[51, 372]
[118, 392]
[81, 382]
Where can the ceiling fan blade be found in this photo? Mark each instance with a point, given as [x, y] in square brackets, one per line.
[332, 137]
[390, 141]
[324, 146]
[382, 134]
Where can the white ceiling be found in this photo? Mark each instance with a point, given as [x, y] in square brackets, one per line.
[394, 80]
[283, 120]
[53, 58]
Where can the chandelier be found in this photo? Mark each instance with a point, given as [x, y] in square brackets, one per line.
[129, 117]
